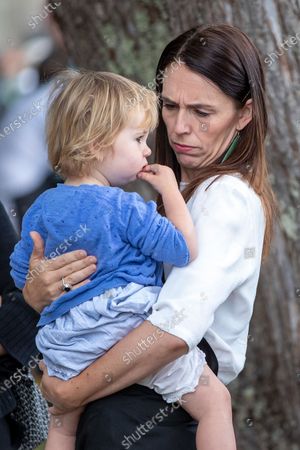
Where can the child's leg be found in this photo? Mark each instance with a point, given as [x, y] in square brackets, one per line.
[210, 405]
[62, 431]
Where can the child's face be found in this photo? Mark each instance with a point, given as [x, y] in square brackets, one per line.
[129, 153]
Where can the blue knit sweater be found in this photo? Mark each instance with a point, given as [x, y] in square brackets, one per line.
[126, 234]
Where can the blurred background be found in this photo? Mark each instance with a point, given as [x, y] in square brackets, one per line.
[39, 38]
[31, 50]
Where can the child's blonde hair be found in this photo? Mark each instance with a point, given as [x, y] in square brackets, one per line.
[87, 111]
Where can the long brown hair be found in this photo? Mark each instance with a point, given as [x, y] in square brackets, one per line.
[226, 56]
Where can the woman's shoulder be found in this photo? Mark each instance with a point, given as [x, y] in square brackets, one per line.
[230, 194]
[225, 184]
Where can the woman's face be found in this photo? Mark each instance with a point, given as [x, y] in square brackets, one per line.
[200, 119]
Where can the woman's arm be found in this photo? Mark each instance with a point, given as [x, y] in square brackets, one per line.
[224, 226]
[223, 223]
[76, 267]
[112, 372]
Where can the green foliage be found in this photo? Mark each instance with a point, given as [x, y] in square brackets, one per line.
[41, 447]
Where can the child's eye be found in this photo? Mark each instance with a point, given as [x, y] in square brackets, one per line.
[140, 138]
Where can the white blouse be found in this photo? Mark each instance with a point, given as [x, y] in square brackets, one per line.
[213, 296]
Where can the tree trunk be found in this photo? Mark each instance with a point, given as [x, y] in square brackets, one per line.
[128, 37]
[266, 396]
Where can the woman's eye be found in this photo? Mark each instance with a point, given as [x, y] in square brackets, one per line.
[201, 113]
[196, 111]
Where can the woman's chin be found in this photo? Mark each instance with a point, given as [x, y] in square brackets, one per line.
[187, 160]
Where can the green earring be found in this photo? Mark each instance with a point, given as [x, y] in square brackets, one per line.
[232, 146]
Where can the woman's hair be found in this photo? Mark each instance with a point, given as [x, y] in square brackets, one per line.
[87, 111]
[226, 56]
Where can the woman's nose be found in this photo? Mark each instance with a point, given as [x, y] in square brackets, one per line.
[182, 124]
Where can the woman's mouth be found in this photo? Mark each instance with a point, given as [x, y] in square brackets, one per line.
[180, 148]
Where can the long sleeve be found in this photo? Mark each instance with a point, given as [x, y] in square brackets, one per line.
[18, 327]
[19, 259]
[144, 228]
[213, 296]
[7, 241]
[17, 320]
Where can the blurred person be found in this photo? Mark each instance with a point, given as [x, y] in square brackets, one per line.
[23, 412]
[23, 155]
[24, 168]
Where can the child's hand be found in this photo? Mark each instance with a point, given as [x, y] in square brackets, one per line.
[162, 178]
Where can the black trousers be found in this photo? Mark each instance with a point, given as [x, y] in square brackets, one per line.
[5, 440]
[138, 418]
[10, 434]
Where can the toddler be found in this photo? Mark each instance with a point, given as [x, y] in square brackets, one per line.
[97, 143]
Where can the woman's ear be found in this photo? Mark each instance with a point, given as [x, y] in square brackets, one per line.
[245, 115]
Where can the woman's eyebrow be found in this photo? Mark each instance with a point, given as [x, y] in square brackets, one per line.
[191, 105]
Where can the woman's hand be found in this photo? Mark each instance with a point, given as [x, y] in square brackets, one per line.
[75, 267]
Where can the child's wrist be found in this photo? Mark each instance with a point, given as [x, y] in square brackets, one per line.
[171, 191]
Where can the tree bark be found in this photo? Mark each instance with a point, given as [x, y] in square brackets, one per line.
[128, 37]
[266, 396]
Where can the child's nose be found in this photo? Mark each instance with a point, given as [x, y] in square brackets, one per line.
[147, 151]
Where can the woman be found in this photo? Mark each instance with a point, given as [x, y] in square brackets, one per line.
[213, 123]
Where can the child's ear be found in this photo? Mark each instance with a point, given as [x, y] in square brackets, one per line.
[96, 151]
